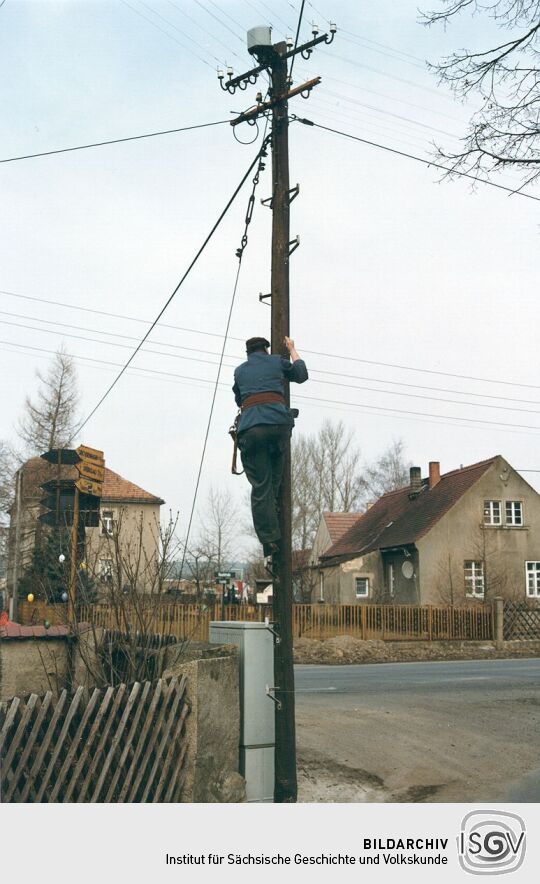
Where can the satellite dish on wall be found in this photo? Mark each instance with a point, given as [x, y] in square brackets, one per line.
[407, 569]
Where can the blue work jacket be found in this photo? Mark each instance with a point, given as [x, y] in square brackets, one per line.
[262, 373]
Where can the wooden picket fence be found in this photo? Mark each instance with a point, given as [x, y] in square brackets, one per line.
[385, 622]
[322, 621]
[521, 621]
[117, 745]
[393, 622]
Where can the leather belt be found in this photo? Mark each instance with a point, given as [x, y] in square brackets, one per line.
[262, 399]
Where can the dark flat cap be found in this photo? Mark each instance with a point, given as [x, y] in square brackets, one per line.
[253, 344]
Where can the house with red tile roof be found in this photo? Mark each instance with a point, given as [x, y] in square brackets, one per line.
[128, 535]
[128, 526]
[466, 535]
[331, 528]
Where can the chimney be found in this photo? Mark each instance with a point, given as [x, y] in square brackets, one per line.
[434, 473]
[415, 482]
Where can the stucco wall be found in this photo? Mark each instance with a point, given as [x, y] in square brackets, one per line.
[31, 666]
[339, 581]
[406, 590]
[321, 542]
[212, 727]
[462, 535]
[137, 531]
[36, 471]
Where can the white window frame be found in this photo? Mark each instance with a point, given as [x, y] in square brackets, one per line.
[492, 512]
[391, 576]
[106, 570]
[107, 522]
[532, 586]
[361, 595]
[475, 586]
[516, 506]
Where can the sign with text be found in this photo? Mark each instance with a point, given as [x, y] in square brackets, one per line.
[89, 487]
[91, 468]
[91, 455]
[91, 471]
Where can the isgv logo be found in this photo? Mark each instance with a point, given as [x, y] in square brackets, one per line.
[491, 842]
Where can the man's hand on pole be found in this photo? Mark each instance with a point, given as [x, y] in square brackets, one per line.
[289, 343]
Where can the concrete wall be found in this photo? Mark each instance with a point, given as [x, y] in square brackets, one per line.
[213, 726]
[36, 664]
[462, 535]
[32, 666]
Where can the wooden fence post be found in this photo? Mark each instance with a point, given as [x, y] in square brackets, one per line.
[498, 622]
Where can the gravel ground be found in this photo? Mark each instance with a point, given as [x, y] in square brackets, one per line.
[447, 732]
[345, 649]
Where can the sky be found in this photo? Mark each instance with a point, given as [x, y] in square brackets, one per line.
[413, 300]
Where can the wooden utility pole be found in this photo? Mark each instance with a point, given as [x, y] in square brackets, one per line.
[282, 597]
[14, 612]
[273, 59]
[72, 591]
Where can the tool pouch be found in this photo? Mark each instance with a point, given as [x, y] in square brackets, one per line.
[233, 433]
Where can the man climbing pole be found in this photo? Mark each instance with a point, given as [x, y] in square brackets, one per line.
[264, 427]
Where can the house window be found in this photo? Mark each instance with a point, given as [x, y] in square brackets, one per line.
[362, 587]
[474, 578]
[105, 570]
[391, 578]
[514, 512]
[107, 522]
[492, 512]
[533, 578]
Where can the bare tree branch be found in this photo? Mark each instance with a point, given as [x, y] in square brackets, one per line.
[49, 419]
[505, 131]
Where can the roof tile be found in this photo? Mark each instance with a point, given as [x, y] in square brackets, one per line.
[16, 631]
[396, 520]
[339, 523]
[115, 487]
[118, 489]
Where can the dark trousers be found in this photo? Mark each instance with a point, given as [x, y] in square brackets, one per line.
[262, 449]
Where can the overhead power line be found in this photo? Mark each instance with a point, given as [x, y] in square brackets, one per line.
[216, 18]
[47, 153]
[180, 31]
[298, 26]
[411, 156]
[237, 356]
[397, 99]
[340, 356]
[175, 291]
[240, 255]
[163, 31]
[204, 28]
[333, 113]
[342, 384]
[335, 404]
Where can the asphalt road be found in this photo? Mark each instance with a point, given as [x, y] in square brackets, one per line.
[445, 731]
